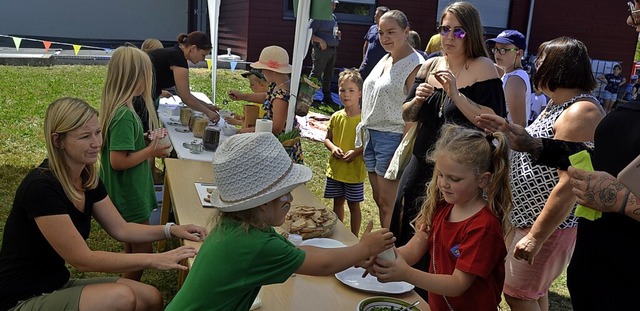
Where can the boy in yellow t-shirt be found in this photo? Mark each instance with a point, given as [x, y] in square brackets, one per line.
[346, 171]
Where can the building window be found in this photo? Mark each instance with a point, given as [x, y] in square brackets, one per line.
[494, 14]
[347, 11]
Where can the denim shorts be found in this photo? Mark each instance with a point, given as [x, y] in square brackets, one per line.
[379, 150]
[609, 95]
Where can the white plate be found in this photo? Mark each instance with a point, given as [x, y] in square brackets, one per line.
[323, 242]
[201, 188]
[175, 119]
[352, 277]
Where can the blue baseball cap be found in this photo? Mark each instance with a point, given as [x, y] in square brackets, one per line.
[510, 36]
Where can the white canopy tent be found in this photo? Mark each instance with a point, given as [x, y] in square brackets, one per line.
[300, 49]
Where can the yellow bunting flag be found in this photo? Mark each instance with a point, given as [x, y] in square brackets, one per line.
[209, 64]
[76, 48]
[17, 41]
[47, 45]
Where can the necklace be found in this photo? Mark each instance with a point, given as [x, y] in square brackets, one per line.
[445, 96]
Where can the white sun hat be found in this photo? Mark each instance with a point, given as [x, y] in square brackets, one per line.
[253, 169]
[273, 58]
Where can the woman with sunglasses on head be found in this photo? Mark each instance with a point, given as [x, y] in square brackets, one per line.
[452, 88]
[382, 127]
[508, 48]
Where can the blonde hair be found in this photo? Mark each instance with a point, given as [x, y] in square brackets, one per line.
[65, 115]
[472, 149]
[352, 75]
[127, 68]
[151, 44]
[434, 45]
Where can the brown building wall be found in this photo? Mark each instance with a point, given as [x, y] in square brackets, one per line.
[249, 25]
[600, 25]
[246, 26]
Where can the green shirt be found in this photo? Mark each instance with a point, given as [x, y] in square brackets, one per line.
[232, 265]
[131, 190]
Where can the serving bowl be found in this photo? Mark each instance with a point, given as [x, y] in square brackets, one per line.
[310, 221]
[381, 303]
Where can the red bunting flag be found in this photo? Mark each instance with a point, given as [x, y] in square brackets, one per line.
[47, 45]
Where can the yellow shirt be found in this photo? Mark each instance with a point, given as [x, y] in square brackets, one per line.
[343, 129]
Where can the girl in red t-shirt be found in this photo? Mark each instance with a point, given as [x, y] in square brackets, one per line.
[461, 224]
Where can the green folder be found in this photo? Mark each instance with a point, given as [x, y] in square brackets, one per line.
[320, 9]
[582, 160]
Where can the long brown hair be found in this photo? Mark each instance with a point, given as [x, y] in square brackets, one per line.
[469, 19]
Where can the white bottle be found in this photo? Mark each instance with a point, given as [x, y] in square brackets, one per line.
[387, 254]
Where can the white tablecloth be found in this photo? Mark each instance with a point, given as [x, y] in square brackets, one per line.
[169, 114]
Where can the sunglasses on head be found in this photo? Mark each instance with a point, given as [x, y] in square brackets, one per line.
[458, 32]
[502, 51]
[631, 7]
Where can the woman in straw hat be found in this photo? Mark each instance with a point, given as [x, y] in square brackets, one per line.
[244, 252]
[273, 64]
[51, 219]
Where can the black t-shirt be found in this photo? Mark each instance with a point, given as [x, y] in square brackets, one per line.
[604, 274]
[162, 60]
[488, 93]
[29, 266]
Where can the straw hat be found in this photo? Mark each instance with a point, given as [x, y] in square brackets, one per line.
[253, 169]
[273, 58]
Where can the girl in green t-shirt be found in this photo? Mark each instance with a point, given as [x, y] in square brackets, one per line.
[125, 170]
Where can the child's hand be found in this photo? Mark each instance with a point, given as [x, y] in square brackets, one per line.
[367, 265]
[349, 156]
[159, 150]
[391, 270]
[233, 121]
[234, 95]
[377, 241]
[337, 153]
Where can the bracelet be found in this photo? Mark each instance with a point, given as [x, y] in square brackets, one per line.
[167, 230]
[624, 203]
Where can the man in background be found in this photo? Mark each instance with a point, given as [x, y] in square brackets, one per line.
[372, 50]
[324, 42]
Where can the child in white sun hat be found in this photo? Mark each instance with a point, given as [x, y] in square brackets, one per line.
[254, 178]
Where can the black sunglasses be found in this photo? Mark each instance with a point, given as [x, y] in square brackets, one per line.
[502, 51]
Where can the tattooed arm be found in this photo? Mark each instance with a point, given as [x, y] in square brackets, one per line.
[599, 190]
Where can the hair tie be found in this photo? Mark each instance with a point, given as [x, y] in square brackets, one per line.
[490, 139]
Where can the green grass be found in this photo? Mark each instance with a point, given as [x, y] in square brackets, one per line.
[24, 96]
